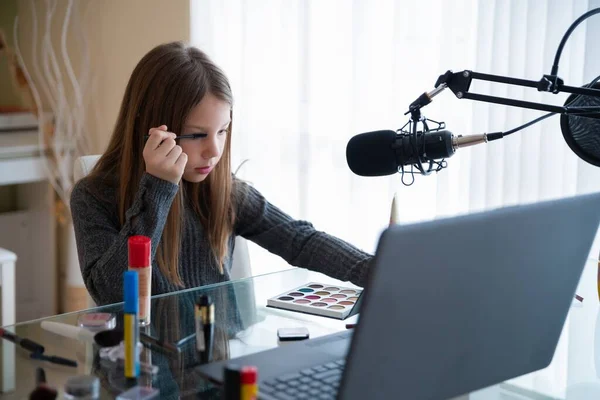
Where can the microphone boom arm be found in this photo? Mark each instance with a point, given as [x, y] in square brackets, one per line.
[459, 83]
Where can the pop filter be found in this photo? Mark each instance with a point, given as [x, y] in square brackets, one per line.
[582, 133]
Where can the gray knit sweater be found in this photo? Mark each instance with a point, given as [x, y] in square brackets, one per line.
[102, 241]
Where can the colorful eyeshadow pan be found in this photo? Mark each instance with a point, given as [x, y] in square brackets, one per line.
[317, 299]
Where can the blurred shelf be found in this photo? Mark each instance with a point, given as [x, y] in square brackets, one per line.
[20, 158]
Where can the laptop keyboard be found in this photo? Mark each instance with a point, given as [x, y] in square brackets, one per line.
[316, 383]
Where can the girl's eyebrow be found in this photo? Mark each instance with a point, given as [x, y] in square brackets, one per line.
[203, 129]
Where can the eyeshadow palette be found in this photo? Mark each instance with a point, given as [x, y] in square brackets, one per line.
[319, 299]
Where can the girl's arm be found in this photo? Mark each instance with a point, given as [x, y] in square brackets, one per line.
[102, 242]
[297, 242]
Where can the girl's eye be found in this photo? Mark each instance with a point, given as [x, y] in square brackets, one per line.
[222, 132]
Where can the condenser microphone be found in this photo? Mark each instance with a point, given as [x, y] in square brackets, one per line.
[383, 152]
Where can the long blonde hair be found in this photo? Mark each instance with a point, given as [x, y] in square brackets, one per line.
[165, 85]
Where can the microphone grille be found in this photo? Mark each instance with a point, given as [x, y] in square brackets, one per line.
[371, 153]
[581, 133]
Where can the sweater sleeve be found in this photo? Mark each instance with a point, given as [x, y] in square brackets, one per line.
[296, 241]
[102, 241]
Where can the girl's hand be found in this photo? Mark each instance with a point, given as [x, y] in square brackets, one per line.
[164, 158]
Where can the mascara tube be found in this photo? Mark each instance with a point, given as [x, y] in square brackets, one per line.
[205, 316]
[132, 328]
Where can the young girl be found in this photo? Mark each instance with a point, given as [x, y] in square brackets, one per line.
[181, 192]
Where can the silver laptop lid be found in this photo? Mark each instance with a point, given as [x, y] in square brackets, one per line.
[458, 304]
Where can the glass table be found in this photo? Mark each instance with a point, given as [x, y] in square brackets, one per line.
[244, 325]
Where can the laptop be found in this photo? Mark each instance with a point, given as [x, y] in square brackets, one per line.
[451, 306]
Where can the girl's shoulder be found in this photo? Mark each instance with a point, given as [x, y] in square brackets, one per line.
[242, 189]
[94, 188]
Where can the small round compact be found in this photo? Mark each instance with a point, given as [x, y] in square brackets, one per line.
[97, 321]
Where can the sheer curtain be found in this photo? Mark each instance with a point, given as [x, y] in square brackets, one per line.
[308, 75]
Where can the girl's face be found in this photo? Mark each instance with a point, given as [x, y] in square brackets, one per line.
[212, 117]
